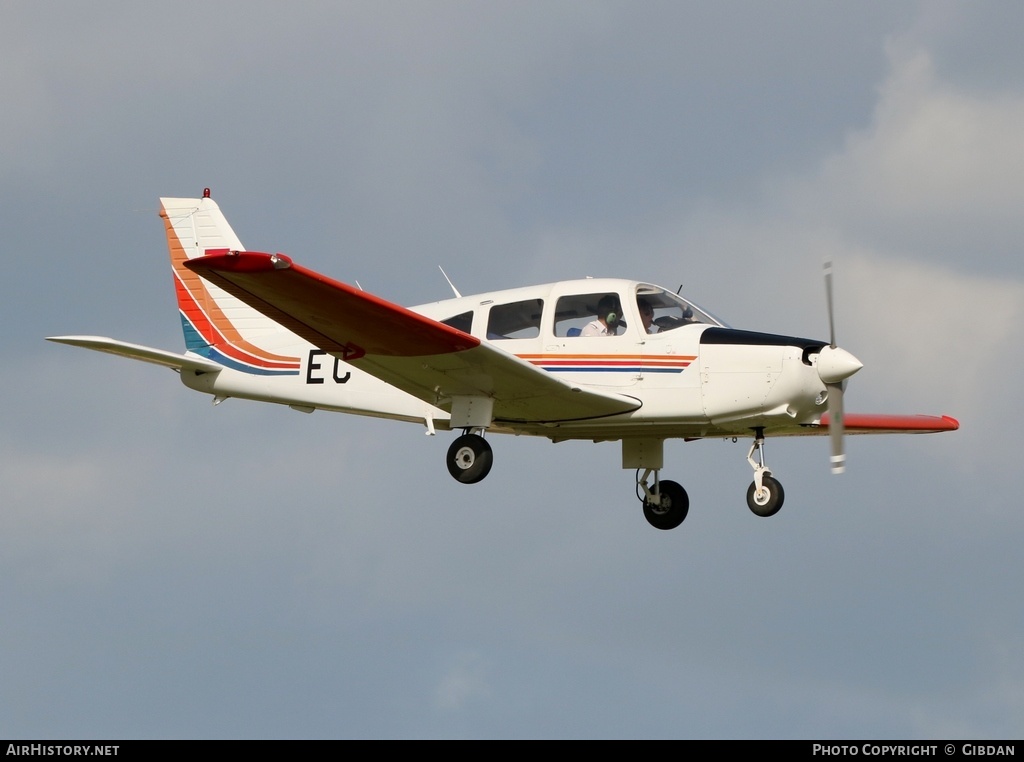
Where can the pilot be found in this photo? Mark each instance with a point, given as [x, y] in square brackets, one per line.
[607, 318]
[647, 315]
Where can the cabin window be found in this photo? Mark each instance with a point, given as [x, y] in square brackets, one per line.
[518, 320]
[574, 313]
[463, 322]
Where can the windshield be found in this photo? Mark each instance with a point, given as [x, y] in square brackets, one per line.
[671, 311]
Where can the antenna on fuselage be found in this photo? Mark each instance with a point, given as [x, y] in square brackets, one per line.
[457, 294]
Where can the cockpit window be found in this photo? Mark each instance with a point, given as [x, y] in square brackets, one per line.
[518, 320]
[463, 322]
[589, 314]
[670, 310]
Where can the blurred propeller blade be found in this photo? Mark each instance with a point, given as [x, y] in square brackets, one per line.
[834, 367]
[836, 427]
[828, 301]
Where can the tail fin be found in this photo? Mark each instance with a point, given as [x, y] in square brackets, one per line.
[217, 325]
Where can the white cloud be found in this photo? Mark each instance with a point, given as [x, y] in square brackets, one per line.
[934, 150]
[943, 337]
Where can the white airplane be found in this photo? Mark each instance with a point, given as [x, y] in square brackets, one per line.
[592, 359]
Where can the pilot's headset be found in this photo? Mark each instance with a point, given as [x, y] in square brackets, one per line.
[607, 309]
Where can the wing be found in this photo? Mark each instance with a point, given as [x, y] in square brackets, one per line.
[420, 356]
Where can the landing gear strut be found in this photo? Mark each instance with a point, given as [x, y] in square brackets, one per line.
[765, 495]
[666, 505]
[470, 458]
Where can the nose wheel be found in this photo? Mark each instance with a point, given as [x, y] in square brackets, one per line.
[765, 494]
[768, 500]
[470, 458]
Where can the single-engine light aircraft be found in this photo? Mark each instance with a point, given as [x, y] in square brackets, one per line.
[592, 359]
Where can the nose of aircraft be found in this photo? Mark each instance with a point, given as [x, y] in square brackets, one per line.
[836, 365]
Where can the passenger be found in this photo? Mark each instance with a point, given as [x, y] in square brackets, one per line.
[647, 315]
[607, 319]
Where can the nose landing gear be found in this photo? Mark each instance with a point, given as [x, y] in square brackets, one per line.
[765, 494]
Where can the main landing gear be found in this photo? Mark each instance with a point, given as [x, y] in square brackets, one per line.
[470, 458]
[666, 505]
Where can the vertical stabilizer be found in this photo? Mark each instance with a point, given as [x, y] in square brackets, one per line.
[217, 325]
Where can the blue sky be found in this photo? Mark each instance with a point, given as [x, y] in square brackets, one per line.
[171, 569]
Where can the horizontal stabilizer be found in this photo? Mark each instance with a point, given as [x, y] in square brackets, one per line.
[139, 352]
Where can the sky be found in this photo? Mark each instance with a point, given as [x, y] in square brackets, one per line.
[173, 570]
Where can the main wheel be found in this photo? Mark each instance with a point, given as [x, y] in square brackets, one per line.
[769, 501]
[470, 458]
[672, 508]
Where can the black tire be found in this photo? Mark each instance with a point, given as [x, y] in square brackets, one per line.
[470, 458]
[675, 504]
[769, 503]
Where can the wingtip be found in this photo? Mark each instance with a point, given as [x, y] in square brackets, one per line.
[77, 341]
[225, 260]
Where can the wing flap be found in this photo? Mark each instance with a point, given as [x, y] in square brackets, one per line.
[425, 358]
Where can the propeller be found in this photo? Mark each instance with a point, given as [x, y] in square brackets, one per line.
[835, 365]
